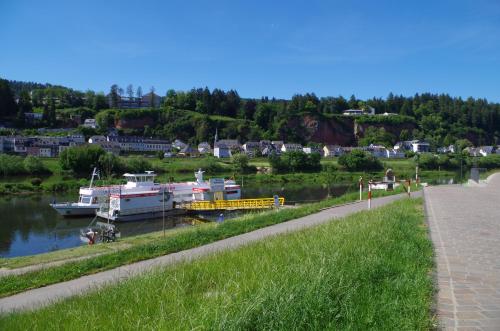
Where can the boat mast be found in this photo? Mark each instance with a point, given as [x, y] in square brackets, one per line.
[94, 173]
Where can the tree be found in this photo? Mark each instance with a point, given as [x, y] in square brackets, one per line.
[81, 159]
[138, 95]
[359, 160]
[152, 97]
[377, 136]
[240, 163]
[100, 102]
[115, 98]
[24, 106]
[130, 91]
[8, 105]
[109, 163]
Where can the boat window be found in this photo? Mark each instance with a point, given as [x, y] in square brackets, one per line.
[85, 199]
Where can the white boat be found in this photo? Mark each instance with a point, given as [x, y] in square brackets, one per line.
[142, 198]
[88, 200]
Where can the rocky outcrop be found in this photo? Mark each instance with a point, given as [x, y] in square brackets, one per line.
[136, 123]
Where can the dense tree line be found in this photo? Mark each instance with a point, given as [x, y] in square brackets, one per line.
[193, 115]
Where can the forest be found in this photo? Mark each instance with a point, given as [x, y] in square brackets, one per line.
[194, 115]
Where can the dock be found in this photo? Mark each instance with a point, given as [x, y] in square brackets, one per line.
[263, 203]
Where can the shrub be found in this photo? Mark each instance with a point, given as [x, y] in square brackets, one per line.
[138, 164]
[295, 162]
[489, 162]
[11, 165]
[36, 181]
[34, 165]
[359, 160]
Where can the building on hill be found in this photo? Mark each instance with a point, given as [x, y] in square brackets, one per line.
[179, 144]
[189, 151]
[233, 144]
[420, 146]
[140, 144]
[90, 123]
[222, 151]
[486, 150]
[359, 112]
[277, 144]
[252, 148]
[291, 148]
[204, 148]
[332, 151]
[313, 149]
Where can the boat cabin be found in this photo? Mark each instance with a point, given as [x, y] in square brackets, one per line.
[138, 180]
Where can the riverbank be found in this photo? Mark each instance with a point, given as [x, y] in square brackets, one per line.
[348, 274]
[151, 245]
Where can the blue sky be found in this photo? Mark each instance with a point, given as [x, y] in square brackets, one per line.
[273, 48]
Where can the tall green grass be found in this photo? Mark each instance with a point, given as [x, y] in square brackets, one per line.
[367, 271]
[197, 236]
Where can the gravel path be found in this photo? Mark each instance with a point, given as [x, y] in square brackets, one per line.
[465, 229]
[42, 296]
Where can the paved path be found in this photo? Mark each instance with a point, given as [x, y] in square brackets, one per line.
[45, 295]
[465, 229]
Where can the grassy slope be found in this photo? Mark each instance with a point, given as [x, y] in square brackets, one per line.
[369, 271]
[181, 240]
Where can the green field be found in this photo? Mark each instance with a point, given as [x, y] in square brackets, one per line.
[371, 270]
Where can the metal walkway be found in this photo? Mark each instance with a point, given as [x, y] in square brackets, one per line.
[264, 203]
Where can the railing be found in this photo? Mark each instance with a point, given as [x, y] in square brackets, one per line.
[263, 203]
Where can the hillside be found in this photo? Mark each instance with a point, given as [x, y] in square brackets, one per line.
[195, 115]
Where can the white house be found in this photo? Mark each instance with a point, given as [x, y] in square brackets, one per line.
[358, 112]
[222, 151]
[90, 123]
[486, 150]
[420, 146]
[310, 150]
[291, 148]
[332, 150]
[394, 154]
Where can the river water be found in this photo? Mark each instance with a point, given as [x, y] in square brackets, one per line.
[30, 226]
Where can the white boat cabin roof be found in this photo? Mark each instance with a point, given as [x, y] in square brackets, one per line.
[147, 177]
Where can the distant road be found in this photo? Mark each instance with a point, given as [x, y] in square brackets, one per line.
[465, 229]
[45, 295]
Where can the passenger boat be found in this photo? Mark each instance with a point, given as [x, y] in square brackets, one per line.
[142, 198]
[87, 201]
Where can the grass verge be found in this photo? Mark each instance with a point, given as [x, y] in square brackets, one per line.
[369, 271]
[181, 240]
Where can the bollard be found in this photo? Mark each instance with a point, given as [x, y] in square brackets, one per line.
[360, 188]
[369, 195]
[409, 187]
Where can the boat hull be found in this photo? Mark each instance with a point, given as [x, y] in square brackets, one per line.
[141, 216]
[74, 210]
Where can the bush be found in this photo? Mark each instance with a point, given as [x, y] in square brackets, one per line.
[240, 163]
[489, 162]
[295, 162]
[11, 165]
[36, 181]
[359, 160]
[138, 165]
[34, 165]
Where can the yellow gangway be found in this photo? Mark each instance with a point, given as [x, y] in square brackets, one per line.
[262, 203]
